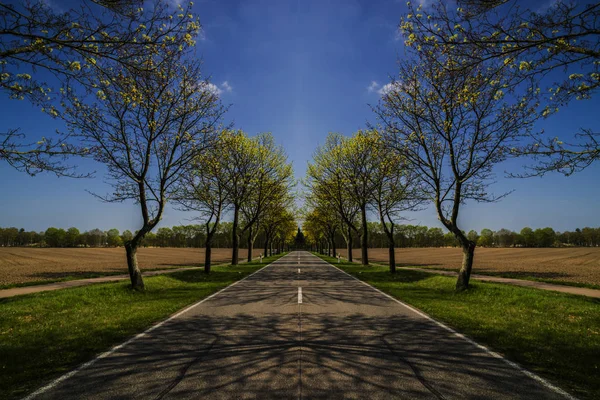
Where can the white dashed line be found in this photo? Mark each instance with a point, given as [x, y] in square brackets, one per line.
[299, 295]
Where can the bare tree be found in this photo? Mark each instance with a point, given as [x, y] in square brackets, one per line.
[72, 46]
[202, 189]
[396, 191]
[554, 51]
[147, 127]
[452, 123]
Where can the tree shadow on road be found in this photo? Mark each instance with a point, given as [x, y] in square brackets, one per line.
[249, 356]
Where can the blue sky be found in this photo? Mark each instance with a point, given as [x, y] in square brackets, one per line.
[298, 69]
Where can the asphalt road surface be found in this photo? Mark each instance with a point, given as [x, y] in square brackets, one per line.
[299, 328]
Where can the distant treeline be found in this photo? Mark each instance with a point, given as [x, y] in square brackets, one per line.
[423, 236]
[194, 236]
[176, 236]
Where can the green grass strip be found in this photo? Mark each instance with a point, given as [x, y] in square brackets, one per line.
[553, 334]
[44, 335]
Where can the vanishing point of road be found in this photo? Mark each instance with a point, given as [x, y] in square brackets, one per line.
[299, 329]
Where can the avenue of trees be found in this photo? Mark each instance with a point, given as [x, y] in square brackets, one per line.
[349, 177]
[469, 90]
[130, 90]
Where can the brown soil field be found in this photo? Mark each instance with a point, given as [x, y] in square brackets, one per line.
[574, 265]
[21, 265]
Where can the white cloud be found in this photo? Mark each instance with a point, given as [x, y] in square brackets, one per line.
[226, 87]
[211, 87]
[382, 90]
[217, 90]
[373, 86]
[387, 88]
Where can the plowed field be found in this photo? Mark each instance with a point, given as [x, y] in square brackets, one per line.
[20, 265]
[576, 265]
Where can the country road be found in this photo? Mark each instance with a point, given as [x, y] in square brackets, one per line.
[299, 328]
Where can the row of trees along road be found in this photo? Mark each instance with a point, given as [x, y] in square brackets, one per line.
[249, 176]
[349, 176]
[132, 96]
[466, 98]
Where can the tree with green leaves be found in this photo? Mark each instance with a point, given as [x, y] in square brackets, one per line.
[553, 51]
[453, 122]
[203, 189]
[271, 187]
[146, 127]
[325, 221]
[394, 190]
[75, 47]
[326, 183]
[258, 174]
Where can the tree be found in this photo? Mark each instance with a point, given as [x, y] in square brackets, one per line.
[203, 189]
[435, 237]
[126, 236]
[544, 237]
[487, 238]
[326, 223]
[146, 127]
[73, 45]
[393, 188]
[72, 237]
[55, 237]
[299, 240]
[453, 122]
[270, 187]
[275, 216]
[528, 237]
[257, 172]
[473, 236]
[113, 239]
[556, 49]
[241, 169]
[504, 238]
[326, 182]
[164, 237]
[358, 164]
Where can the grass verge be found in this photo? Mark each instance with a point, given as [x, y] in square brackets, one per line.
[44, 335]
[531, 277]
[553, 334]
[84, 275]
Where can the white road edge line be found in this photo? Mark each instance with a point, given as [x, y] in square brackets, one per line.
[530, 374]
[299, 295]
[138, 336]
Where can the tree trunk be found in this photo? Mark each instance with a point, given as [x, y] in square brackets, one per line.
[333, 245]
[135, 275]
[462, 283]
[265, 254]
[235, 237]
[349, 244]
[364, 237]
[208, 246]
[392, 257]
[207, 254]
[250, 244]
